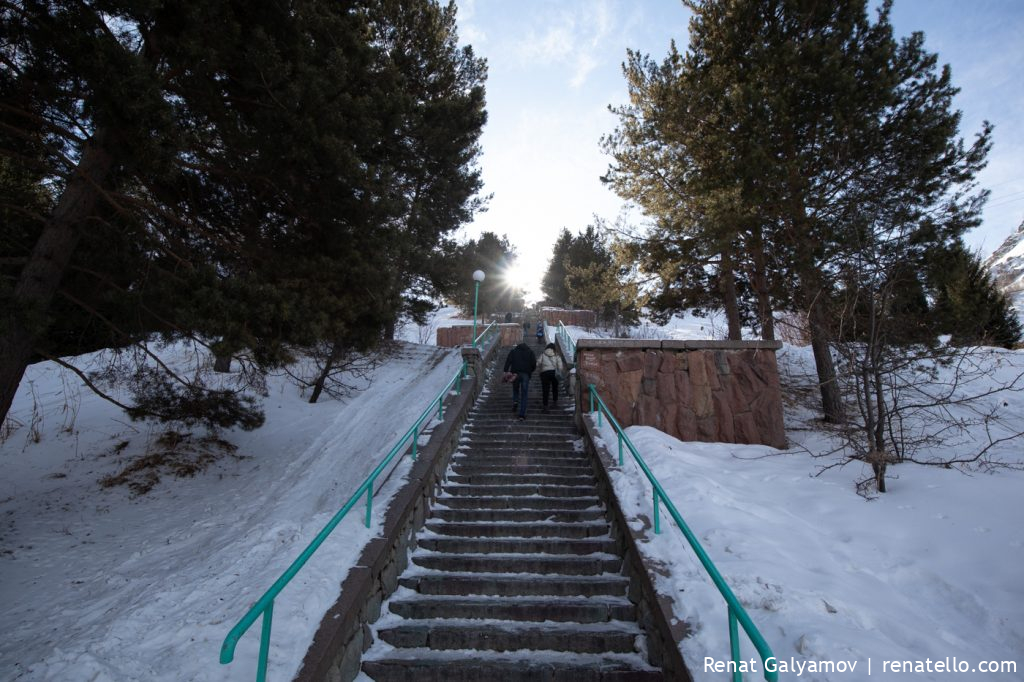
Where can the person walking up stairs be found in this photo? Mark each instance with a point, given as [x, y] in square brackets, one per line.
[516, 576]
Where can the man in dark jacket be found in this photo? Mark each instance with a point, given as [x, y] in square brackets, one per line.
[522, 362]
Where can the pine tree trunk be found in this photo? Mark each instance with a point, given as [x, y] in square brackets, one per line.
[321, 380]
[759, 282]
[727, 278]
[222, 363]
[831, 403]
[40, 277]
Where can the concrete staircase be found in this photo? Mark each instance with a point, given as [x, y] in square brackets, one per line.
[516, 575]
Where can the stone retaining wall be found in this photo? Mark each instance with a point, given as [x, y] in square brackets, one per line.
[712, 391]
[571, 318]
[344, 633]
[462, 335]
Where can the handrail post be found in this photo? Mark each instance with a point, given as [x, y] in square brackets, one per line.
[734, 644]
[620, 450]
[369, 503]
[657, 514]
[261, 666]
[415, 440]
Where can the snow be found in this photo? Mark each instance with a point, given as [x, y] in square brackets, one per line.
[929, 570]
[99, 584]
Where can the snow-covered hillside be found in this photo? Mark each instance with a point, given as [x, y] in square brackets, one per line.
[1007, 267]
[98, 584]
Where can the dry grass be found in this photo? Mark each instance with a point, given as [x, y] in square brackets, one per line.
[181, 455]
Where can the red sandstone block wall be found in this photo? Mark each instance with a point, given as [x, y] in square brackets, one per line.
[460, 335]
[727, 394]
[572, 318]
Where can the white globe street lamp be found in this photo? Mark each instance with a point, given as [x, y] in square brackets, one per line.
[478, 277]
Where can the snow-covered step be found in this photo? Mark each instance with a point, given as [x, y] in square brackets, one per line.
[569, 564]
[534, 545]
[619, 637]
[462, 466]
[517, 502]
[547, 441]
[504, 477]
[571, 609]
[527, 489]
[427, 665]
[525, 529]
[510, 584]
[522, 454]
[519, 515]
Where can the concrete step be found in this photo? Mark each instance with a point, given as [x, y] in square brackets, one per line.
[462, 467]
[439, 635]
[544, 564]
[514, 476]
[510, 426]
[509, 586]
[525, 530]
[527, 489]
[532, 609]
[425, 665]
[518, 515]
[519, 440]
[556, 546]
[522, 458]
[506, 502]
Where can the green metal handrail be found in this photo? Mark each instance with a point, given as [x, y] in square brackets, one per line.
[265, 605]
[568, 345]
[491, 327]
[736, 610]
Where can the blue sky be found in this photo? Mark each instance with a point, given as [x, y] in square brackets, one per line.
[555, 66]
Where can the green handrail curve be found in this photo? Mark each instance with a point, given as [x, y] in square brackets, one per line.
[736, 611]
[568, 345]
[265, 605]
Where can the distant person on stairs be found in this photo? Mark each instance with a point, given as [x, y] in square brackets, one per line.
[550, 366]
[522, 362]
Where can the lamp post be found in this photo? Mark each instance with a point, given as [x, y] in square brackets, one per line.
[478, 276]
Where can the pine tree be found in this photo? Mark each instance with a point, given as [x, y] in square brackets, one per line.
[787, 138]
[258, 177]
[968, 305]
[553, 283]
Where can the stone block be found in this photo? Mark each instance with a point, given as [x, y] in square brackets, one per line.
[348, 666]
[652, 363]
[707, 429]
[665, 389]
[373, 604]
[686, 423]
[711, 370]
[697, 368]
[667, 416]
[648, 409]
[629, 360]
[648, 387]
[684, 388]
[629, 385]
[701, 402]
[668, 362]
[745, 428]
[389, 578]
[723, 417]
